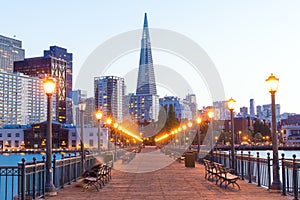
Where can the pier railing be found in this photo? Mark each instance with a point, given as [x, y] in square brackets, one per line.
[27, 180]
[259, 170]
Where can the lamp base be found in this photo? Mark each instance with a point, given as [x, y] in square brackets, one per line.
[50, 190]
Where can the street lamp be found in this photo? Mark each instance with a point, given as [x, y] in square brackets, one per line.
[98, 117]
[199, 120]
[49, 88]
[211, 115]
[231, 104]
[272, 83]
[82, 106]
[108, 122]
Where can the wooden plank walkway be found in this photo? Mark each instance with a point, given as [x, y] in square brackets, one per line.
[172, 182]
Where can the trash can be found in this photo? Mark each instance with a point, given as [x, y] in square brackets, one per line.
[189, 159]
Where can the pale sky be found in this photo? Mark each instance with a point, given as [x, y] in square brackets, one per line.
[246, 40]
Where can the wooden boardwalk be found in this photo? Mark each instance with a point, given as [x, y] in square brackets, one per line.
[174, 181]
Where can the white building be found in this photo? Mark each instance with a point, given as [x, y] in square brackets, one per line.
[22, 99]
[11, 137]
[291, 135]
[109, 96]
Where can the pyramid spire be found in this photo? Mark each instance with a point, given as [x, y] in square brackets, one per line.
[146, 29]
[146, 79]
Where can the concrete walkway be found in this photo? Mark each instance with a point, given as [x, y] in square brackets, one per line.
[174, 181]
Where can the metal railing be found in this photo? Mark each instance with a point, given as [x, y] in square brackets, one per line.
[259, 170]
[27, 180]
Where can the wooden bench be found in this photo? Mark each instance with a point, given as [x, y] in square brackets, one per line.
[225, 176]
[220, 173]
[97, 176]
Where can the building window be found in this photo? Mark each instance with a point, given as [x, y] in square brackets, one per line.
[73, 143]
[73, 134]
[17, 134]
[91, 134]
[0, 134]
[16, 143]
[8, 134]
[91, 143]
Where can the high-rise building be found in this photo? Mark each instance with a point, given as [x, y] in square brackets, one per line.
[221, 111]
[109, 96]
[181, 108]
[10, 51]
[192, 102]
[61, 53]
[252, 107]
[48, 66]
[22, 98]
[145, 100]
[243, 112]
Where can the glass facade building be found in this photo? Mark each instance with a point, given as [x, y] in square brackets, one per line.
[109, 96]
[10, 51]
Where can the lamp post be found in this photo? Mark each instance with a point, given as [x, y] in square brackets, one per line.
[231, 104]
[211, 115]
[82, 106]
[199, 120]
[49, 87]
[98, 117]
[272, 83]
[108, 122]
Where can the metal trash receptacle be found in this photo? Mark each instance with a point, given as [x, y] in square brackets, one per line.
[189, 159]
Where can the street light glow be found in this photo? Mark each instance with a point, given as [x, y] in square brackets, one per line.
[272, 83]
[49, 85]
[231, 104]
[99, 115]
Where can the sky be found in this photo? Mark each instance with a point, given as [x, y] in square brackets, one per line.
[246, 40]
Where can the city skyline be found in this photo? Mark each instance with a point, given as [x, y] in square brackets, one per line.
[246, 41]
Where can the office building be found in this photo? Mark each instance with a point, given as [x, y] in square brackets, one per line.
[10, 51]
[109, 96]
[252, 107]
[181, 107]
[145, 101]
[49, 66]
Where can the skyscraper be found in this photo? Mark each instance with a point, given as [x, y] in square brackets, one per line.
[145, 101]
[61, 53]
[49, 66]
[22, 98]
[10, 51]
[109, 96]
[252, 107]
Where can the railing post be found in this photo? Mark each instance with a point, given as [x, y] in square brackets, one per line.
[249, 167]
[23, 180]
[295, 178]
[258, 169]
[34, 179]
[54, 170]
[70, 169]
[63, 171]
[242, 164]
[269, 170]
[283, 175]
[43, 176]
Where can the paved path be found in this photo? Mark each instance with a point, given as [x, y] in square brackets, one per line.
[171, 182]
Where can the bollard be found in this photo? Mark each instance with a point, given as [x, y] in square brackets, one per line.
[258, 169]
[242, 165]
[283, 176]
[269, 171]
[34, 179]
[295, 178]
